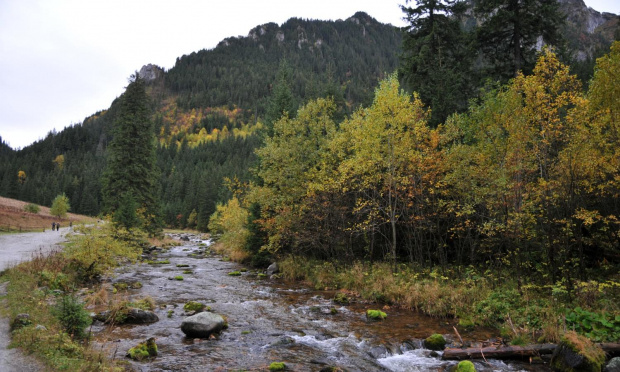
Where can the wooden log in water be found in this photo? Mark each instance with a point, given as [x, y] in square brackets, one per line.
[514, 352]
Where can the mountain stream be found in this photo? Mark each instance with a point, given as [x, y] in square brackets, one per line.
[271, 321]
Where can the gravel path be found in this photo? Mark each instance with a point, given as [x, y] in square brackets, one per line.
[15, 248]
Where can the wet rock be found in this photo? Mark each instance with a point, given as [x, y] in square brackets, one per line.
[202, 325]
[130, 316]
[273, 269]
[613, 365]
[284, 341]
[379, 351]
[139, 316]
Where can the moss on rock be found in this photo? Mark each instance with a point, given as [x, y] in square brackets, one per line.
[375, 315]
[465, 366]
[576, 353]
[277, 366]
[143, 350]
[435, 342]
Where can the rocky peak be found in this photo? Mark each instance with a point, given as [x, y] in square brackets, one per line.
[150, 72]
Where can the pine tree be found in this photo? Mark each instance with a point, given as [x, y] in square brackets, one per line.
[436, 60]
[130, 171]
[511, 30]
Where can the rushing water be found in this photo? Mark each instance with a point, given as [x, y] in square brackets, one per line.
[270, 321]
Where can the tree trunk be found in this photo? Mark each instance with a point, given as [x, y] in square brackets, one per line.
[514, 352]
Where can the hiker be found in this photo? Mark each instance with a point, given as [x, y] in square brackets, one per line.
[57, 226]
[53, 226]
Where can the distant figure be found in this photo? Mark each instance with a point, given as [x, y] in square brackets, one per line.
[57, 226]
[53, 226]
[70, 223]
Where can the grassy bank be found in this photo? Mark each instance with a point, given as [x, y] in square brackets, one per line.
[51, 289]
[531, 313]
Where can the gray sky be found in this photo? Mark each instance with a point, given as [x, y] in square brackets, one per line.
[63, 60]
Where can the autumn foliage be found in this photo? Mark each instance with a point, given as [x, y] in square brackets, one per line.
[527, 180]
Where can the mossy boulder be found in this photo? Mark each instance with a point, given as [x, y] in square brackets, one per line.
[435, 342]
[577, 353]
[465, 366]
[277, 366]
[375, 315]
[143, 350]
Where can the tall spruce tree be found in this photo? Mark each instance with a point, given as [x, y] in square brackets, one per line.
[131, 172]
[511, 32]
[281, 101]
[436, 58]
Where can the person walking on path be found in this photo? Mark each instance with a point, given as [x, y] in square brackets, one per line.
[53, 226]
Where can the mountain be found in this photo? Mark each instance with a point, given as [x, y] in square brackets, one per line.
[207, 110]
[210, 106]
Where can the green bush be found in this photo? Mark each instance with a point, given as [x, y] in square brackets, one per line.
[32, 208]
[597, 327]
[72, 315]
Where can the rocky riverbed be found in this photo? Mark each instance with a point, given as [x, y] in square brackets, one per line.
[269, 321]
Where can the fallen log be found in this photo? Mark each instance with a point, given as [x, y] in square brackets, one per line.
[514, 352]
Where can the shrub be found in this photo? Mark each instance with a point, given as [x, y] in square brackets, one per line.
[72, 315]
[95, 251]
[234, 273]
[32, 208]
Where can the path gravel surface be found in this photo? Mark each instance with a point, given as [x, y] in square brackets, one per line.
[15, 248]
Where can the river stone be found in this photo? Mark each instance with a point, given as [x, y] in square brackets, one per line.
[133, 316]
[139, 316]
[202, 324]
[613, 365]
[273, 269]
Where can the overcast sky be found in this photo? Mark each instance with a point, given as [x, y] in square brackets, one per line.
[63, 60]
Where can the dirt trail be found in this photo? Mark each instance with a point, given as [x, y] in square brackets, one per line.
[15, 248]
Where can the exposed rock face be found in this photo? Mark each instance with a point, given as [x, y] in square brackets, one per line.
[587, 28]
[150, 72]
[202, 325]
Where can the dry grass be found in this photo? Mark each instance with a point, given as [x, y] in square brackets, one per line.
[13, 217]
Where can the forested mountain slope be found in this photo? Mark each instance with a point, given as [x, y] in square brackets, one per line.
[209, 108]
[207, 111]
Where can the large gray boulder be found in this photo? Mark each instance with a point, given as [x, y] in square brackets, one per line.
[273, 269]
[202, 325]
[613, 365]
